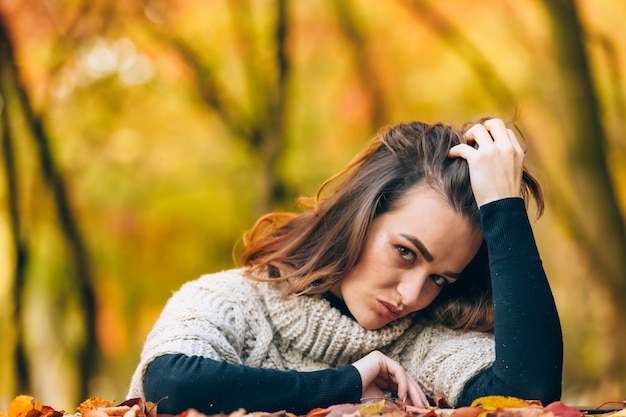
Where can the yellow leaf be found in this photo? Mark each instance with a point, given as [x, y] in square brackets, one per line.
[22, 405]
[372, 408]
[493, 402]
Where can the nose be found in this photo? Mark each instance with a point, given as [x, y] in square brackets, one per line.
[410, 288]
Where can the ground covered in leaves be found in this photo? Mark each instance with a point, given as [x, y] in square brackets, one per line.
[492, 406]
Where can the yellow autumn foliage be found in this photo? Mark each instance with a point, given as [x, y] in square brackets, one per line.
[22, 405]
[493, 402]
[372, 408]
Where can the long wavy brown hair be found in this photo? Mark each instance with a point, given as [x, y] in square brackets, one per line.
[310, 251]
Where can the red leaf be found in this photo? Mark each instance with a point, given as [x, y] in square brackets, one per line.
[467, 412]
[441, 402]
[561, 410]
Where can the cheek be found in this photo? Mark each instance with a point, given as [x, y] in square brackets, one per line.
[429, 293]
[373, 263]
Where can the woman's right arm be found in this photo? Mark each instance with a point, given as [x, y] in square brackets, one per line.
[178, 382]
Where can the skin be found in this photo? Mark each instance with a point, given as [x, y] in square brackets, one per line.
[407, 260]
[495, 159]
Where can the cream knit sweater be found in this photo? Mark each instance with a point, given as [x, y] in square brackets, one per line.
[225, 316]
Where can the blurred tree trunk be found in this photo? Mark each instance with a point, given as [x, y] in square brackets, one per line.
[67, 224]
[592, 205]
[19, 249]
[364, 65]
[271, 149]
[477, 61]
[263, 127]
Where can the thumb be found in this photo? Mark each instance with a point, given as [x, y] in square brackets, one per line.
[462, 150]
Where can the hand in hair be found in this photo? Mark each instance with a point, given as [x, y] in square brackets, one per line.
[380, 373]
[495, 162]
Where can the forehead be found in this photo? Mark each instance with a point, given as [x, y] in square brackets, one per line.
[424, 213]
[422, 194]
[423, 208]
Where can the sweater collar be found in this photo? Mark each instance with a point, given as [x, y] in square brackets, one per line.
[310, 325]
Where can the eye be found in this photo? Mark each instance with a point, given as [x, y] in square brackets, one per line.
[439, 280]
[406, 253]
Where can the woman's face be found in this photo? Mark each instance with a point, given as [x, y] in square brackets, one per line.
[410, 254]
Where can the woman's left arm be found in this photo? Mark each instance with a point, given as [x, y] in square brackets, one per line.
[529, 346]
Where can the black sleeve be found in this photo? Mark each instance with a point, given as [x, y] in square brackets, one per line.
[529, 344]
[178, 382]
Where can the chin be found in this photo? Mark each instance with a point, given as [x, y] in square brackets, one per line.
[371, 325]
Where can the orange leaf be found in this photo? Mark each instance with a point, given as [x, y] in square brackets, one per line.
[316, 411]
[94, 413]
[93, 404]
[23, 406]
[322, 412]
[467, 412]
[531, 411]
[337, 409]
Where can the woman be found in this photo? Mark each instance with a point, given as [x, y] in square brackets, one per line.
[417, 274]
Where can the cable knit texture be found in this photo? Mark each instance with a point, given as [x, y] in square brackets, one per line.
[225, 316]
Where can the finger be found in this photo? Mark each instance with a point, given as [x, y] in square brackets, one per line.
[480, 135]
[401, 382]
[398, 377]
[498, 131]
[515, 142]
[417, 396]
[504, 137]
[408, 388]
[462, 150]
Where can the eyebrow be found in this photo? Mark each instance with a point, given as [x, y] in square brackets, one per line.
[419, 245]
[426, 254]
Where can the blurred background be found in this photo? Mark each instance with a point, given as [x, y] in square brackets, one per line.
[140, 139]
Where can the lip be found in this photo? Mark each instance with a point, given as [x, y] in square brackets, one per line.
[388, 311]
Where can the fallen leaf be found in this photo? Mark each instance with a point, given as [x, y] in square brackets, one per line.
[47, 411]
[493, 402]
[345, 411]
[468, 412]
[147, 408]
[94, 413]
[372, 408]
[441, 402]
[27, 406]
[322, 412]
[396, 413]
[93, 404]
[22, 405]
[425, 412]
[316, 411]
[561, 410]
[531, 411]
